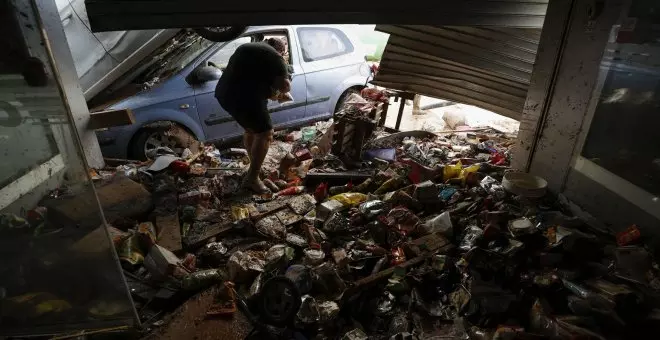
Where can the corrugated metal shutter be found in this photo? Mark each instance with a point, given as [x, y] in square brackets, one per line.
[119, 15]
[481, 66]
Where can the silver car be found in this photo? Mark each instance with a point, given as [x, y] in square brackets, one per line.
[327, 62]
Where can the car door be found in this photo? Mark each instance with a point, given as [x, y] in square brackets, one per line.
[328, 58]
[290, 113]
[215, 120]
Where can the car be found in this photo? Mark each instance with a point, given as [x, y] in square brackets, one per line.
[327, 64]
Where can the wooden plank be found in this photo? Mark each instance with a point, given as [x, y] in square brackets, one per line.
[217, 229]
[110, 118]
[169, 231]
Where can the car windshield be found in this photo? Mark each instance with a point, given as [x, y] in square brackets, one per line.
[171, 58]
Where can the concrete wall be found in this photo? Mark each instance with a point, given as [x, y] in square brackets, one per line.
[558, 112]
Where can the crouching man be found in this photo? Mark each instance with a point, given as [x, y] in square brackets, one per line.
[254, 73]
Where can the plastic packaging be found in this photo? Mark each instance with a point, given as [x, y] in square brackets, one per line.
[350, 199]
[328, 281]
[441, 223]
[628, 236]
[321, 191]
[308, 133]
[451, 171]
[313, 256]
[470, 237]
[203, 278]
[242, 266]
[340, 189]
[371, 209]
[467, 172]
[301, 276]
[239, 212]
[279, 255]
[328, 310]
[390, 185]
[309, 311]
[290, 191]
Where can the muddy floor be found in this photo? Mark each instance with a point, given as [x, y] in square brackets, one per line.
[190, 322]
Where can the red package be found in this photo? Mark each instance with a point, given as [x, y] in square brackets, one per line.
[303, 155]
[498, 159]
[398, 256]
[628, 236]
[180, 167]
[321, 192]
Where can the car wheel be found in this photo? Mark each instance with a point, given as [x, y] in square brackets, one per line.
[220, 33]
[344, 97]
[149, 140]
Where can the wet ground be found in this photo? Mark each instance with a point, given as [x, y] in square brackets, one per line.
[431, 119]
[190, 322]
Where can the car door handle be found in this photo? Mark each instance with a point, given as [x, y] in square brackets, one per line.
[184, 106]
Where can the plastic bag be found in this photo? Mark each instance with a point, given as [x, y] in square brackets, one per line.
[451, 171]
[313, 256]
[279, 255]
[350, 199]
[371, 209]
[243, 266]
[309, 311]
[441, 223]
[470, 237]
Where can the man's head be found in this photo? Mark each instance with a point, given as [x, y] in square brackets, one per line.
[277, 44]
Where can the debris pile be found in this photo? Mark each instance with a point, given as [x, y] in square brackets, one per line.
[428, 237]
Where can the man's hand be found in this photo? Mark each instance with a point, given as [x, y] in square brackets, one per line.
[282, 84]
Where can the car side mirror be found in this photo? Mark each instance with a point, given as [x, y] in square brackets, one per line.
[203, 74]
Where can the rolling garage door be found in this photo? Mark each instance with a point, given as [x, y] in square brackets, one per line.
[486, 67]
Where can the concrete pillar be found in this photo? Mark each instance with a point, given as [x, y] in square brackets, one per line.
[65, 72]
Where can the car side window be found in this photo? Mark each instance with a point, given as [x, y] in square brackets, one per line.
[221, 57]
[319, 43]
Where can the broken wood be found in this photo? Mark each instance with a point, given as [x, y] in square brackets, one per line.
[169, 231]
[110, 118]
[198, 240]
[429, 243]
[261, 215]
[372, 279]
[336, 178]
[436, 244]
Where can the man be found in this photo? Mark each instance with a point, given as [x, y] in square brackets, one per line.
[254, 73]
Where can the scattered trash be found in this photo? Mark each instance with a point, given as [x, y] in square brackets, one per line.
[415, 235]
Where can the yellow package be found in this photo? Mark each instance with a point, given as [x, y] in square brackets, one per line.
[239, 212]
[452, 171]
[467, 171]
[350, 199]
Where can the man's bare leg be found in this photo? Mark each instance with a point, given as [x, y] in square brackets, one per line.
[258, 153]
[248, 140]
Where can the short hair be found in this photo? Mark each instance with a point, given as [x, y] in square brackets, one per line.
[277, 44]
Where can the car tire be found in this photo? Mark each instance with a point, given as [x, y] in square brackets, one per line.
[152, 136]
[225, 34]
[344, 97]
[136, 148]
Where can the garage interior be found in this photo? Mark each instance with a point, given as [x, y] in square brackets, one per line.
[581, 76]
